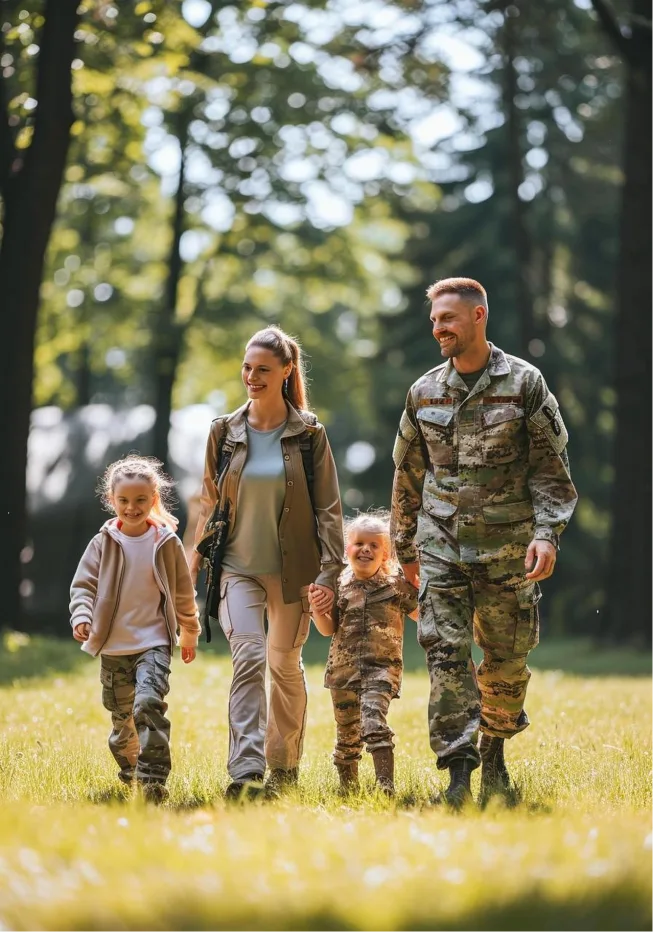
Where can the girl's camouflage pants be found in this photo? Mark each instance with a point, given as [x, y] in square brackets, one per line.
[133, 690]
[360, 720]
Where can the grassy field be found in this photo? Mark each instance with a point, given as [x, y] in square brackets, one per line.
[576, 854]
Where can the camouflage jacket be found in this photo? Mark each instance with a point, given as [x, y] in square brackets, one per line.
[481, 473]
[366, 650]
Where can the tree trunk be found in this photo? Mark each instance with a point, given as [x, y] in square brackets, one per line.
[628, 614]
[515, 170]
[30, 189]
[168, 332]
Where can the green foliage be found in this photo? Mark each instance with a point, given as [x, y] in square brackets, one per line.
[274, 105]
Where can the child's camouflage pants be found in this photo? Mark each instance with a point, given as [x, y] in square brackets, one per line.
[360, 720]
[133, 690]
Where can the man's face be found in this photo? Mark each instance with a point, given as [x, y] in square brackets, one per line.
[454, 325]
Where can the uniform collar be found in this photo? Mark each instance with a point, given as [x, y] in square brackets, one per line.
[237, 423]
[497, 365]
[375, 582]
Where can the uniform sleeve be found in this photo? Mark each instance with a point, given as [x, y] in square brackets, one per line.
[328, 511]
[83, 589]
[410, 469]
[209, 493]
[407, 595]
[185, 606]
[549, 480]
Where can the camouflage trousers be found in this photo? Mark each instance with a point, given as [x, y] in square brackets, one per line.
[360, 720]
[133, 690]
[496, 606]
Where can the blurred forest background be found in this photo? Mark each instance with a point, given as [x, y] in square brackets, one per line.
[175, 175]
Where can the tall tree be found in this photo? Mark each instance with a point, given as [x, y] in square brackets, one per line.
[31, 170]
[629, 591]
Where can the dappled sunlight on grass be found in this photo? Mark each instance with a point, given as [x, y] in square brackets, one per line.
[77, 852]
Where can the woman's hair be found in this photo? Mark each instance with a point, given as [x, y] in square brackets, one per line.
[147, 469]
[286, 349]
[375, 521]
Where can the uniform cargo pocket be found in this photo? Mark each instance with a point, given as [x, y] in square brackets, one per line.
[304, 623]
[436, 424]
[108, 695]
[445, 614]
[527, 626]
[503, 432]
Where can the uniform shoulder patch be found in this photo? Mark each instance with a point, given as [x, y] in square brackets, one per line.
[405, 436]
[549, 420]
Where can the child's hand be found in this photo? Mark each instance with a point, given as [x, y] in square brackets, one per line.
[188, 654]
[82, 631]
[414, 614]
[320, 599]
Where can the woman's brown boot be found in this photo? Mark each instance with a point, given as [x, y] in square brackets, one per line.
[348, 774]
[384, 768]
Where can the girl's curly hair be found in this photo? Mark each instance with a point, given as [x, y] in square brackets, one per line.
[148, 469]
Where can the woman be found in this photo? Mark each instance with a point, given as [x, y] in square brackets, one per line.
[284, 533]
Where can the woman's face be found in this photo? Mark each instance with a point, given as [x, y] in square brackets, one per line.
[263, 373]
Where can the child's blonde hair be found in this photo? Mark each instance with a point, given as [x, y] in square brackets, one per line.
[374, 521]
[150, 470]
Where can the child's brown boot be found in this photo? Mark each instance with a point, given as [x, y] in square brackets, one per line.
[384, 768]
[348, 774]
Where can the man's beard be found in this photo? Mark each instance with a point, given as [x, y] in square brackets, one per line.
[453, 347]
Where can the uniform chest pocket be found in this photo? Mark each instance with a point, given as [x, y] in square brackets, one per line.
[436, 423]
[503, 432]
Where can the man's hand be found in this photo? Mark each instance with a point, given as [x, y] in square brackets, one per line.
[320, 598]
[542, 553]
[411, 572]
[82, 631]
[188, 654]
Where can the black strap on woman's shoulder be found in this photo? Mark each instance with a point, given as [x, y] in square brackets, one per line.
[306, 450]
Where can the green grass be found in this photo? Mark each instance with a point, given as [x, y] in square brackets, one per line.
[575, 854]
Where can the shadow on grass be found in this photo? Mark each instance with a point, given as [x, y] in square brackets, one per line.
[26, 656]
[624, 906]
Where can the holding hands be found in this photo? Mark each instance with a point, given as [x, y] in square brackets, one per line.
[320, 599]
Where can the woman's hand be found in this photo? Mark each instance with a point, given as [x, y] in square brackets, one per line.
[320, 599]
[82, 631]
[188, 654]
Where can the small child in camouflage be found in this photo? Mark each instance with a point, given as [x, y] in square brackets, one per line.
[365, 658]
[131, 592]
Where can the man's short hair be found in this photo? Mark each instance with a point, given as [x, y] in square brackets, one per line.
[467, 288]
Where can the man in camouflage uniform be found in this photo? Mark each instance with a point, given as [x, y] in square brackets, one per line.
[481, 493]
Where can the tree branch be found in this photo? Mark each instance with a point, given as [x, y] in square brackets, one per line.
[611, 27]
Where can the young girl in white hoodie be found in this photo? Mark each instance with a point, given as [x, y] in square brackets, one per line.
[131, 592]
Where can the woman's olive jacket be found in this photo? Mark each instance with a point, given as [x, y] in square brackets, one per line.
[310, 540]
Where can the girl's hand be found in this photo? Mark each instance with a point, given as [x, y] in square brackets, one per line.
[320, 599]
[82, 631]
[188, 654]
